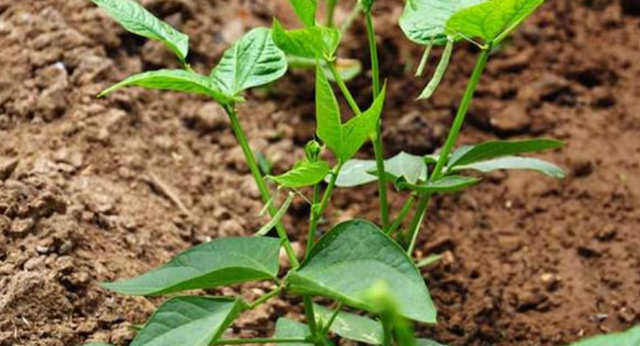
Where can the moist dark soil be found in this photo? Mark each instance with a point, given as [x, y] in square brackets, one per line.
[96, 190]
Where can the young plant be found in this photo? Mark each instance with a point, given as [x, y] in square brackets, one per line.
[357, 264]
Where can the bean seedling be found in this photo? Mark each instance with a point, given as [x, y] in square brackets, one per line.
[357, 264]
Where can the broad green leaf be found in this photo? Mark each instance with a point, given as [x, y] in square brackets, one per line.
[447, 184]
[515, 162]
[136, 19]
[173, 80]
[356, 172]
[491, 21]
[220, 262]
[305, 10]
[629, 338]
[315, 42]
[493, 149]
[304, 173]
[252, 61]
[328, 121]
[351, 326]
[423, 21]
[189, 320]
[290, 329]
[354, 256]
[347, 68]
[427, 342]
[411, 168]
[360, 128]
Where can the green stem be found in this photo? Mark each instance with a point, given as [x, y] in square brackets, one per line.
[448, 146]
[264, 298]
[402, 215]
[331, 11]
[311, 316]
[387, 336]
[311, 237]
[332, 319]
[378, 148]
[261, 341]
[262, 185]
[318, 210]
[343, 88]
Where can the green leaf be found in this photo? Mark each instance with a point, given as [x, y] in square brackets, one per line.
[491, 21]
[305, 10]
[315, 42]
[328, 121]
[275, 219]
[423, 21]
[360, 128]
[356, 172]
[411, 168]
[447, 184]
[290, 329]
[435, 81]
[493, 149]
[515, 162]
[629, 338]
[252, 61]
[431, 259]
[427, 342]
[136, 19]
[347, 68]
[173, 80]
[189, 320]
[220, 262]
[351, 326]
[304, 173]
[351, 258]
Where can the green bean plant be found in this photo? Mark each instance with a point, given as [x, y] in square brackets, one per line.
[363, 269]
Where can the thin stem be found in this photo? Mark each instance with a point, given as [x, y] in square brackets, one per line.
[311, 237]
[424, 59]
[261, 341]
[387, 336]
[402, 215]
[331, 11]
[416, 221]
[343, 88]
[264, 298]
[317, 210]
[311, 316]
[448, 146]
[332, 319]
[262, 185]
[378, 148]
[351, 18]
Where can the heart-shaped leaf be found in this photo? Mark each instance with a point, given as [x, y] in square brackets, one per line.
[304, 173]
[316, 42]
[190, 320]
[253, 61]
[305, 10]
[351, 326]
[491, 21]
[423, 21]
[136, 19]
[290, 329]
[628, 338]
[220, 262]
[515, 162]
[351, 258]
[173, 80]
[447, 184]
[488, 150]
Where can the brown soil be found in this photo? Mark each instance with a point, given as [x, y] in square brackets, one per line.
[94, 190]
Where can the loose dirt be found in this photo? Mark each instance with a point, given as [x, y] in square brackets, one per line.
[96, 190]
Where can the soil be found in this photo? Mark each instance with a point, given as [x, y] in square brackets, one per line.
[96, 190]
